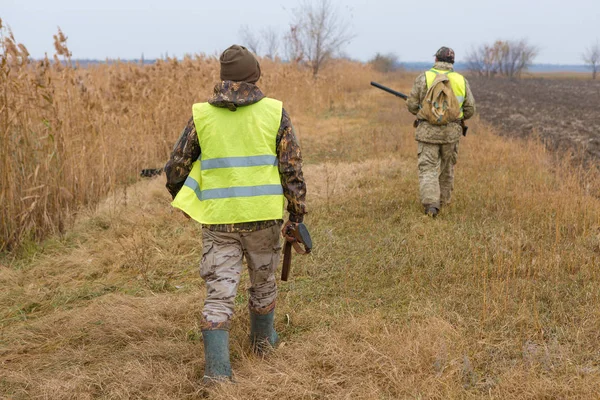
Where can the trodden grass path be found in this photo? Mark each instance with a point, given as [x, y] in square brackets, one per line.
[496, 298]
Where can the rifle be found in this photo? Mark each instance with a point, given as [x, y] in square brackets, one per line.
[405, 97]
[150, 172]
[300, 235]
[392, 91]
[464, 127]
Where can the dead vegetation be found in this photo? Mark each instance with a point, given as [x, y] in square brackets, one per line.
[505, 58]
[496, 298]
[72, 135]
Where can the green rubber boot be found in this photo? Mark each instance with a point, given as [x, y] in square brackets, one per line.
[216, 355]
[262, 333]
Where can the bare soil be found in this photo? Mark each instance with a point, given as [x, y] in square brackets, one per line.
[563, 112]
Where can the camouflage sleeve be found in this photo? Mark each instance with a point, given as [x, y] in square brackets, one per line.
[417, 94]
[469, 104]
[290, 169]
[185, 152]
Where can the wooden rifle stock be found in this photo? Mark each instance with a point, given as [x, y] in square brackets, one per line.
[298, 234]
[287, 261]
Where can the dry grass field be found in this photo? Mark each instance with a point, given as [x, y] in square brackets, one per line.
[496, 298]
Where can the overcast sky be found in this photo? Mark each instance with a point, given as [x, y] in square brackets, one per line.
[413, 30]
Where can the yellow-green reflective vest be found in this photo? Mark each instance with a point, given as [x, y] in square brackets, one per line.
[457, 81]
[236, 178]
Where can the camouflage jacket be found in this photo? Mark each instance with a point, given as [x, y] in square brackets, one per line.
[426, 132]
[228, 94]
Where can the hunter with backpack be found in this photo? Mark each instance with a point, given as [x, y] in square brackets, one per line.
[441, 99]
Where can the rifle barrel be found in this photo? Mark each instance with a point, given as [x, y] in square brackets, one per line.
[391, 91]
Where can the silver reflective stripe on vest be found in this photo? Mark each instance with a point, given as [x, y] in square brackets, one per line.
[234, 162]
[192, 184]
[461, 99]
[239, 191]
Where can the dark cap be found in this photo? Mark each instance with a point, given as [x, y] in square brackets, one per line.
[239, 64]
[445, 54]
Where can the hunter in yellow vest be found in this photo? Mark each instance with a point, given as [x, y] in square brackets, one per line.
[235, 163]
[438, 144]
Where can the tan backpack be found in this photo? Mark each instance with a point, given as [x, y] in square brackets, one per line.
[440, 106]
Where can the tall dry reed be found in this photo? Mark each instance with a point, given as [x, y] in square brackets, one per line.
[70, 135]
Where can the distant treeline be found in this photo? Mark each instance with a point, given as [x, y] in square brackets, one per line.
[408, 65]
[86, 62]
[461, 66]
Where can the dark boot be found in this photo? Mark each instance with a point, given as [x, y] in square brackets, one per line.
[431, 211]
[262, 333]
[216, 355]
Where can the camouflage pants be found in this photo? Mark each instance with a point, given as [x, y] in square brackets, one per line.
[221, 269]
[436, 172]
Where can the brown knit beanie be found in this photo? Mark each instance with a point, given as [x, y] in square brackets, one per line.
[239, 64]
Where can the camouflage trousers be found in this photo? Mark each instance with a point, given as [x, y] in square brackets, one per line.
[221, 269]
[436, 172]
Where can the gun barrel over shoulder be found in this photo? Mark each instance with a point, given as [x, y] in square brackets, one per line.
[392, 91]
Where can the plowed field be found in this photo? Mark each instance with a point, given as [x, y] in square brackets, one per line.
[563, 112]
